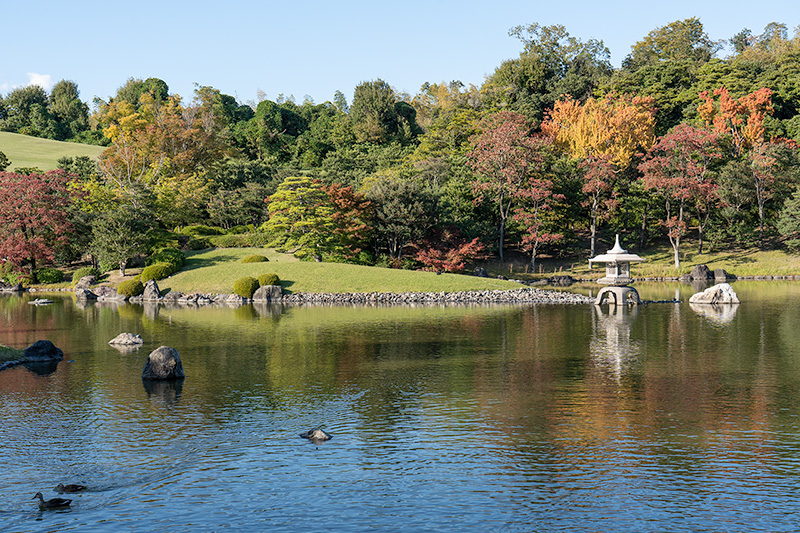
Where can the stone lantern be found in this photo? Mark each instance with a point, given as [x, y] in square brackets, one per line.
[618, 275]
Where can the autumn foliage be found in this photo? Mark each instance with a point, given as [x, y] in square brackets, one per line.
[615, 127]
[741, 118]
[34, 216]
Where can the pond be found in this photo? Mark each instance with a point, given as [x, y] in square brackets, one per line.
[480, 418]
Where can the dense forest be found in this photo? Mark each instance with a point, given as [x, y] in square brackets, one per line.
[690, 137]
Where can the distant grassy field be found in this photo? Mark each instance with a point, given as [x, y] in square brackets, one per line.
[26, 151]
[215, 271]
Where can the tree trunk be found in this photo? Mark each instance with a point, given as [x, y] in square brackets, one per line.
[594, 236]
[643, 232]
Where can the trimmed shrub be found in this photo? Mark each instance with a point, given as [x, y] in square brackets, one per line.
[156, 271]
[245, 287]
[84, 271]
[237, 230]
[269, 278]
[242, 240]
[49, 275]
[172, 256]
[254, 259]
[131, 287]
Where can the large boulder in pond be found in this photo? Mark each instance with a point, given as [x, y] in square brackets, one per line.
[701, 272]
[151, 292]
[721, 293]
[85, 282]
[163, 363]
[720, 274]
[268, 293]
[85, 294]
[127, 339]
[42, 352]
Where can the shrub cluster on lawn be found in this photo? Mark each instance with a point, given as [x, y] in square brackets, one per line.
[131, 287]
[157, 271]
[49, 275]
[255, 259]
[247, 286]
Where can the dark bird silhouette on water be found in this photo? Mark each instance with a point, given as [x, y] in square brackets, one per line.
[61, 488]
[55, 503]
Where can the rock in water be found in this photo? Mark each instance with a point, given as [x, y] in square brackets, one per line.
[43, 352]
[127, 339]
[316, 435]
[163, 363]
[701, 272]
[721, 293]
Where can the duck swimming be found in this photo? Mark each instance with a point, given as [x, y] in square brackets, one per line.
[55, 503]
[61, 488]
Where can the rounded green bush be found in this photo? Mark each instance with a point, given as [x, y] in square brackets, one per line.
[268, 278]
[49, 275]
[84, 271]
[167, 255]
[156, 271]
[131, 287]
[245, 287]
[254, 259]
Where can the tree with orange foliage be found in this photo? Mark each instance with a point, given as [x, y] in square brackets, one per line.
[615, 127]
[742, 119]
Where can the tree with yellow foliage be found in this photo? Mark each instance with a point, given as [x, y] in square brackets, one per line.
[615, 127]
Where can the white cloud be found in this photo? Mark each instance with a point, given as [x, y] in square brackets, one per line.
[42, 80]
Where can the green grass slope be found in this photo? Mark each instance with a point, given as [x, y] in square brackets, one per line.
[215, 271]
[26, 151]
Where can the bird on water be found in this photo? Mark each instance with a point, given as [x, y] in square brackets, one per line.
[55, 503]
[61, 488]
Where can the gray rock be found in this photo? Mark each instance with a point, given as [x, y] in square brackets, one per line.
[480, 272]
[722, 293]
[42, 352]
[268, 293]
[172, 297]
[85, 294]
[85, 282]
[701, 272]
[127, 339]
[316, 435]
[687, 278]
[106, 293]
[163, 363]
[721, 275]
[151, 292]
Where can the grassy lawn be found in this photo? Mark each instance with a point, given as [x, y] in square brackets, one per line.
[26, 151]
[215, 271]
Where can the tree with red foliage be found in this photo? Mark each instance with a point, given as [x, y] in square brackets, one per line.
[677, 166]
[598, 178]
[534, 200]
[503, 156]
[352, 214]
[33, 216]
[447, 251]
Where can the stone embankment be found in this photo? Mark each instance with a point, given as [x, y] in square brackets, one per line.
[526, 295]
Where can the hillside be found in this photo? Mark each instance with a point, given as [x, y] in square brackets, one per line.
[26, 151]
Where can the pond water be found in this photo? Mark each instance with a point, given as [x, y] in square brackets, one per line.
[479, 418]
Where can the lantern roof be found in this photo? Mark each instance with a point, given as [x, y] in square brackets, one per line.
[616, 255]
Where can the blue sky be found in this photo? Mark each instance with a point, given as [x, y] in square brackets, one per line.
[317, 47]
